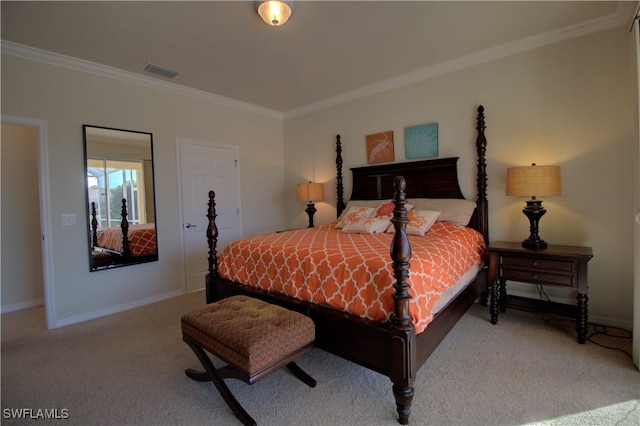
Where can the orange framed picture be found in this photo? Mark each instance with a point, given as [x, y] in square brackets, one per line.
[380, 147]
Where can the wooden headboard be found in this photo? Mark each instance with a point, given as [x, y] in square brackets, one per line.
[436, 178]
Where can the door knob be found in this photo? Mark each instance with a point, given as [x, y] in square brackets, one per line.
[188, 225]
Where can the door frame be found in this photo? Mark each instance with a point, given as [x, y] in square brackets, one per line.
[45, 212]
[180, 141]
[635, 34]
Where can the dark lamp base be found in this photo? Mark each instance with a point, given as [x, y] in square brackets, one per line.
[311, 209]
[534, 244]
[534, 211]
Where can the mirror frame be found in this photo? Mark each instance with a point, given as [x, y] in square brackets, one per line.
[102, 258]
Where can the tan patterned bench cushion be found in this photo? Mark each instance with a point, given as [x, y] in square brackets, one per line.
[248, 333]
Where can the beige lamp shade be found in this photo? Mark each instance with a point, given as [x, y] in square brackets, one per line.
[310, 192]
[534, 181]
[274, 12]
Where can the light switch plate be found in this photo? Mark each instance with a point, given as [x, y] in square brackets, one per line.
[68, 219]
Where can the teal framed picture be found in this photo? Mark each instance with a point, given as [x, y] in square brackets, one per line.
[421, 141]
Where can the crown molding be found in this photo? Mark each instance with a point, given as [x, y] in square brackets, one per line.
[44, 56]
[582, 29]
[487, 55]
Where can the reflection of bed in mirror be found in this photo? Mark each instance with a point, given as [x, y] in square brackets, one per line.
[122, 244]
[120, 197]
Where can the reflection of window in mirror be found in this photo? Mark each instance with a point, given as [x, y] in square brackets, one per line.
[108, 182]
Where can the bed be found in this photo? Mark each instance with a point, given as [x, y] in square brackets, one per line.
[127, 243]
[394, 340]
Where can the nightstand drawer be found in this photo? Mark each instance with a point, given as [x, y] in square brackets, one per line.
[537, 277]
[538, 264]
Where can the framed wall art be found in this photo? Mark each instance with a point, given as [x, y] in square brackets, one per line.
[380, 147]
[421, 141]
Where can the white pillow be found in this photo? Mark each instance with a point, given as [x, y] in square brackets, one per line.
[420, 221]
[354, 213]
[366, 225]
[453, 210]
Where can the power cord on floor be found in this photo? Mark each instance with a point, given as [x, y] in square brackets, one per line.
[599, 329]
[605, 330]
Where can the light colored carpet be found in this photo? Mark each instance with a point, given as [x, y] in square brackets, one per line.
[128, 369]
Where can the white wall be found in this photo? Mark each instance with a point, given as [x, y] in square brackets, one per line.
[66, 99]
[22, 285]
[568, 104]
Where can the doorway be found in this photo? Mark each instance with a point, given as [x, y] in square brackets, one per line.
[204, 166]
[42, 251]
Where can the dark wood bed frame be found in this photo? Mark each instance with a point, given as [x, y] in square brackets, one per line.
[392, 348]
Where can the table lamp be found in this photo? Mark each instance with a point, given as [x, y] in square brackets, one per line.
[310, 192]
[534, 181]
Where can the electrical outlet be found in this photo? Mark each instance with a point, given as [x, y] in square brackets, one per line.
[68, 219]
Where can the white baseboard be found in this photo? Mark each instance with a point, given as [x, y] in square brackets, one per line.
[20, 306]
[115, 309]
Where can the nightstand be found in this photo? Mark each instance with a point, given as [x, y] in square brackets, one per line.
[564, 266]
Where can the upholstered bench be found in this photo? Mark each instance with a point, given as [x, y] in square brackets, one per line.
[253, 337]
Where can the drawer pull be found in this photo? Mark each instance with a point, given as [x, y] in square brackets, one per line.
[535, 276]
[535, 263]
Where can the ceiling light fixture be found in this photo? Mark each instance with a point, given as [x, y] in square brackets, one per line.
[274, 12]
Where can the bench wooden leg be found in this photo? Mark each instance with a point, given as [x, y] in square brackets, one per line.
[210, 374]
[301, 374]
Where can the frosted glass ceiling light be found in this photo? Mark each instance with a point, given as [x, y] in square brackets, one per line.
[274, 12]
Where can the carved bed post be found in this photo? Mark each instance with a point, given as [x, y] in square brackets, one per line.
[124, 225]
[340, 205]
[94, 225]
[212, 240]
[481, 147]
[402, 332]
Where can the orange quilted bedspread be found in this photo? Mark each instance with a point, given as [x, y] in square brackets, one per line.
[352, 272]
[142, 239]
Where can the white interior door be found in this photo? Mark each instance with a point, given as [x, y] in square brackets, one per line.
[205, 166]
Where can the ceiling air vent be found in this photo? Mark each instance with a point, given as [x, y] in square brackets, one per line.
[165, 72]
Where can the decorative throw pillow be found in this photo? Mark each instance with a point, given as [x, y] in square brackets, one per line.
[420, 221]
[366, 225]
[361, 203]
[353, 214]
[385, 210]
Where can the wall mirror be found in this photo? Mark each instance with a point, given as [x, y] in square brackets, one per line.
[120, 192]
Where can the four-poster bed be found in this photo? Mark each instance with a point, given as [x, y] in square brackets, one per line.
[392, 346]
